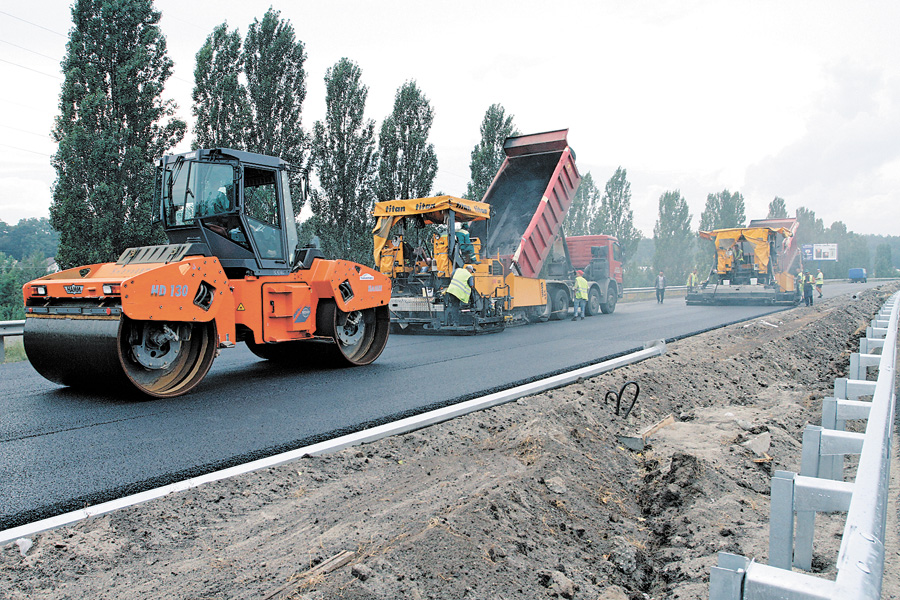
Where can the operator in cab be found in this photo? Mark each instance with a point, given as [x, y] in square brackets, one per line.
[466, 248]
[460, 290]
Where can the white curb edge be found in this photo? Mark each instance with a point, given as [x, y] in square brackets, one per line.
[651, 349]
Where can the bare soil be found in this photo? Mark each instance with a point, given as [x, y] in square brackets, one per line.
[533, 499]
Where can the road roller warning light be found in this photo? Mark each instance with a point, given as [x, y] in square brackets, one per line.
[231, 272]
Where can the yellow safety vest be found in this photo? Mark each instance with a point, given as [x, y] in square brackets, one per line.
[820, 279]
[692, 279]
[581, 288]
[459, 285]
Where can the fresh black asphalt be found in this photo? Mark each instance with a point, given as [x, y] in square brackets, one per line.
[62, 449]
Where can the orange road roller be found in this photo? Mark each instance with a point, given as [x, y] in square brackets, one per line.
[232, 272]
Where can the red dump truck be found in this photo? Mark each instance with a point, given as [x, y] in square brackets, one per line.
[529, 198]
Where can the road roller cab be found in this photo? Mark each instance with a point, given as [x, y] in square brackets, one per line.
[232, 272]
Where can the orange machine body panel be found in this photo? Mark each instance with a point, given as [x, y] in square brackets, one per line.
[274, 308]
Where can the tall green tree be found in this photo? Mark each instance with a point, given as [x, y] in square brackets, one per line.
[615, 216]
[345, 160]
[585, 206]
[113, 123]
[27, 237]
[884, 262]
[408, 162]
[488, 155]
[722, 211]
[672, 237]
[777, 209]
[221, 105]
[276, 87]
[810, 230]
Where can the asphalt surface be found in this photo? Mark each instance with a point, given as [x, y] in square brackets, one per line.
[62, 449]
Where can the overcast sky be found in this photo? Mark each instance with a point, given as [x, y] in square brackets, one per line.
[795, 99]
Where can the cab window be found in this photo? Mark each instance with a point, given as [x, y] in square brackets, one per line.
[263, 213]
[617, 253]
[197, 190]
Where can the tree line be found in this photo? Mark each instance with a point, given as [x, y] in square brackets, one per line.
[248, 94]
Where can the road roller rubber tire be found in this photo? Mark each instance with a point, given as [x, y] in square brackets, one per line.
[359, 336]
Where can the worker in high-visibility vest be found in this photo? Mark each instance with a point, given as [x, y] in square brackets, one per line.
[693, 280]
[459, 291]
[581, 295]
[808, 282]
[820, 281]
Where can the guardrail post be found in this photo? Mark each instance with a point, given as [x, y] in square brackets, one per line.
[867, 345]
[876, 332]
[781, 520]
[851, 389]
[860, 363]
[810, 466]
[726, 579]
[2, 350]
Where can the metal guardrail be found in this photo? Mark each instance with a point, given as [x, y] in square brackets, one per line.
[820, 487]
[9, 328]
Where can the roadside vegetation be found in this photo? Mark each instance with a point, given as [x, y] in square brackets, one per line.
[15, 351]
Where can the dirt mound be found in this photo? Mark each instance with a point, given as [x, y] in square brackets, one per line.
[533, 499]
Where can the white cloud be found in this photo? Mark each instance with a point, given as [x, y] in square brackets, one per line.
[847, 165]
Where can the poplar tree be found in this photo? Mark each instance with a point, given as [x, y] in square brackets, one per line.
[276, 88]
[113, 123]
[585, 206]
[615, 216]
[488, 155]
[723, 210]
[673, 239]
[777, 209]
[221, 106]
[345, 160]
[884, 261]
[408, 163]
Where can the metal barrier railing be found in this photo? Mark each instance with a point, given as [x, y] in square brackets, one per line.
[820, 487]
[9, 328]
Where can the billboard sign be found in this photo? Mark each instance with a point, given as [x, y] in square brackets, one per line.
[806, 250]
[825, 252]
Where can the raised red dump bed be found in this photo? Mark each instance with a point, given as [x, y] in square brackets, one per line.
[529, 199]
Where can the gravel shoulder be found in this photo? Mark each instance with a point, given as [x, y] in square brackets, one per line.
[537, 498]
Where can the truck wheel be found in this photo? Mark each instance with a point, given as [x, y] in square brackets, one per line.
[612, 296]
[560, 304]
[593, 303]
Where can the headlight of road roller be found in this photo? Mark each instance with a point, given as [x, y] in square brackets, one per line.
[39, 290]
[111, 289]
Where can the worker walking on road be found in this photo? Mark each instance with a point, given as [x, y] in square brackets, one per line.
[458, 292]
[820, 281]
[581, 295]
[693, 280]
[660, 288]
